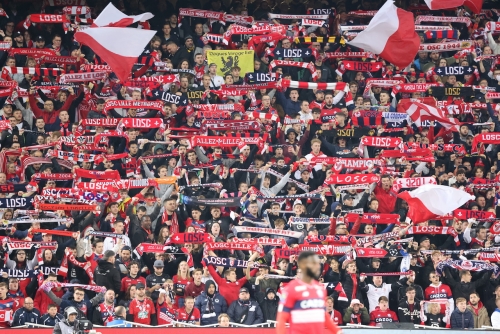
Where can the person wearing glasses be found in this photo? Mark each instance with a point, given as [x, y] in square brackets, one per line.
[84, 306]
[26, 314]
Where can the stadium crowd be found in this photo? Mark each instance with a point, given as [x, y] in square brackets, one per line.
[195, 212]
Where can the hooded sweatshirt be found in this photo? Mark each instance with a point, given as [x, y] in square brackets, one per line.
[210, 305]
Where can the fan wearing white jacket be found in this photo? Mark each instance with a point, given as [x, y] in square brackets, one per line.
[495, 316]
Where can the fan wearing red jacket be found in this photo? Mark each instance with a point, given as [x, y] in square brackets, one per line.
[229, 287]
[189, 314]
[42, 300]
[141, 309]
[382, 313]
[438, 290]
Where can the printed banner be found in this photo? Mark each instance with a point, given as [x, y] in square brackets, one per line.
[226, 59]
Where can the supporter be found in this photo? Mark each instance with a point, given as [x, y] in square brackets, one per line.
[106, 274]
[277, 144]
[334, 314]
[83, 306]
[461, 318]
[105, 311]
[26, 314]
[211, 304]
[495, 318]
[223, 320]
[268, 303]
[382, 313]
[478, 311]
[196, 287]
[119, 318]
[245, 310]
[51, 317]
[141, 308]
[188, 314]
[409, 307]
[356, 314]
[6, 306]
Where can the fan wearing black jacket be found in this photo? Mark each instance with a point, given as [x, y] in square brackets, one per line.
[409, 307]
[106, 273]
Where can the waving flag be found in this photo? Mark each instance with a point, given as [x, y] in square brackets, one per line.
[119, 47]
[420, 113]
[430, 201]
[112, 17]
[390, 34]
[474, 5]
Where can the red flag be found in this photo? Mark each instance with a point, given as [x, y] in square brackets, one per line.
[388, 31]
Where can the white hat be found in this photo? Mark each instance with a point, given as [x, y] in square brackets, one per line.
[355, 301]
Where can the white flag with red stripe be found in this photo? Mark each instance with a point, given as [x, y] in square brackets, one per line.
[390, 34]
[420, 113]
[118, 47]
[430, 201]
[112, 17]
[474, 5]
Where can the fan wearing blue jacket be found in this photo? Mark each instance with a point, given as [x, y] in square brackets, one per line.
[210, 303]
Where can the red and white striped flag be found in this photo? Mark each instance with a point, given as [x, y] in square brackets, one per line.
[420, 112]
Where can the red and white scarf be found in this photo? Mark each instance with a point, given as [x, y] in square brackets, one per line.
[435, 230]
[447, 19]
[292, 63]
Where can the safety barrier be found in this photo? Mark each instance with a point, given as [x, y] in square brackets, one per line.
[265, 328]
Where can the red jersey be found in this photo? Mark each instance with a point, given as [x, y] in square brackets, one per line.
[128, 281]
[6, 311]
[442, 291]
[188, 317]
[306, 305]
[336, 317]
[180, 285]
[142, 310]
[377, 316]
[166, 314]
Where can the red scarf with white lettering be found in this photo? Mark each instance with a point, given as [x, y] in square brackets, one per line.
[484, 138]
[435, 230]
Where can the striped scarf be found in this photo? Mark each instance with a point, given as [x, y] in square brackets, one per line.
[291, 63]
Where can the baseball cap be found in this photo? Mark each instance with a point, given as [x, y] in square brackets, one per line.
[244, 290]
[16, 34]
[140, 286]
[158, 263]
[40, 39]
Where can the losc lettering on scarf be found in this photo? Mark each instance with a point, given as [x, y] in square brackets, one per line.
[20, 202]
[454, 70]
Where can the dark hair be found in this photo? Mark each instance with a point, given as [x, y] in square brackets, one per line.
[305, 255]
